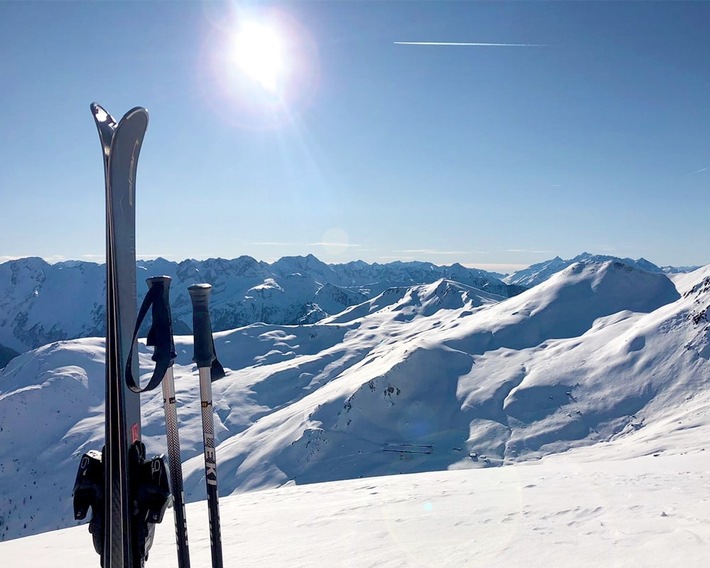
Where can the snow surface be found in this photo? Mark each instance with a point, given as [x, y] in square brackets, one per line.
[591, 508]
[591, 389]
[537, 273]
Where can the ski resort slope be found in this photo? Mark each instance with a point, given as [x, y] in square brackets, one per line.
[580, 509]
[596, 379]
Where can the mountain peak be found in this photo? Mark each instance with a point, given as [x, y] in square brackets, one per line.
[538, 273]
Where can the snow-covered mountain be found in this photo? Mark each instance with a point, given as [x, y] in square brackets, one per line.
[423, 378]
[41, 302]
[538, 273]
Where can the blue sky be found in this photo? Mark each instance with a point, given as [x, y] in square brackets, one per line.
[596, 138]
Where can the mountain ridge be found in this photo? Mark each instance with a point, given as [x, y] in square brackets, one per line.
[42, 302]
[423, 378]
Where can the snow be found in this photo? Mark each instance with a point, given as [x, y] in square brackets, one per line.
[538, 273]
[370, 438]
[586, 509]
[42, 302]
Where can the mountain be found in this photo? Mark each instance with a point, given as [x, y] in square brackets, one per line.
[679, 269]
[41, 303]
[537, 273]
[423, 378]
[6, 355]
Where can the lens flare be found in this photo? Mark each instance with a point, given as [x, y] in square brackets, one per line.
[259, 70]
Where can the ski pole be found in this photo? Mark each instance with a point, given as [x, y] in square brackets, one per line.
[161, 337]
[209, 370]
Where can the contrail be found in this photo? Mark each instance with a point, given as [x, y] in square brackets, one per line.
[467, 43]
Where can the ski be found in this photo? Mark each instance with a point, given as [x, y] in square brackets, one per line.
[127, 493]
[121, 546]
[209, 370]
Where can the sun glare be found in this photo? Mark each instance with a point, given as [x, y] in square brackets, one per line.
[262, 67]
[259, 53]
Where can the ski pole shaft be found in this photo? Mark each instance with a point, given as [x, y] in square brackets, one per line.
[204, 357]
[174, 460]
[171, 422]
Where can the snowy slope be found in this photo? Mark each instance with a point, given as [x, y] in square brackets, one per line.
[434, 377]
[580, 509]
[538, 273]
[456, 385]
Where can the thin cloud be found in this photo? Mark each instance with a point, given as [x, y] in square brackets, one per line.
[333, 244]
[531, 251]
[701, 170]
[468, 44]
[432, 251]
[504, 268]
[153, 256]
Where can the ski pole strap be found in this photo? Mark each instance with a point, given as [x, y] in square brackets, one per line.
[160, 335]
[216, 369]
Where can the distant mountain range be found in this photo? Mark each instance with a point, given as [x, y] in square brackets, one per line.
[426, 377]
[538, 273]
[42, 302]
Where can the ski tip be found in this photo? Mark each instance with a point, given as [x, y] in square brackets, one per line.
[101, 115]
[137, 116]
[135, 111]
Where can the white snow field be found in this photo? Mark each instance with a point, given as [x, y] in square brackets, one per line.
[590, 389]
[591, 508]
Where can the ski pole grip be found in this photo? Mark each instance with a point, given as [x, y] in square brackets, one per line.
[201, 326]
[160, 335]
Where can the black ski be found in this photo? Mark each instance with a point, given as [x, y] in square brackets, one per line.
[133, 494]
[209, 370]
[126, 538]
[121, 152]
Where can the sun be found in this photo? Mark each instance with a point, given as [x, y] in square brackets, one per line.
[261, 68]
[259, 53]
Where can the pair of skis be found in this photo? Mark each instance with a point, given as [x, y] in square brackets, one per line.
[127, 493]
